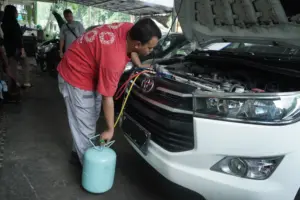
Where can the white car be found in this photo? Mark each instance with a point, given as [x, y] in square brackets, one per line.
[225, 123]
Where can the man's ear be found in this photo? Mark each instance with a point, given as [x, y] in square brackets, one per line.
[137, 44]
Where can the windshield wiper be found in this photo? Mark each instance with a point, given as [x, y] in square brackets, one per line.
[217, 56]
[250, 55]
[221, 53]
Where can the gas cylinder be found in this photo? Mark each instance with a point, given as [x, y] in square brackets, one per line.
[99, 165]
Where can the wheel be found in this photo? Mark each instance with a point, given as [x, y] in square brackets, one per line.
[42, 65]
[53, 70]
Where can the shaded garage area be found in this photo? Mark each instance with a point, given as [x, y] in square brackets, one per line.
[37, 149]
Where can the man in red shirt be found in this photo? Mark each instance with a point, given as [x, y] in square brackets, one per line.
[90, 70]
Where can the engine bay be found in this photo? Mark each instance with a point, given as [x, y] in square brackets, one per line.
[228, 77]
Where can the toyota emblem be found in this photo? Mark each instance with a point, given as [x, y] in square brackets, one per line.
[147, 85]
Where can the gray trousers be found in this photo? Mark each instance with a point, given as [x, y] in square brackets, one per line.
[83, 109]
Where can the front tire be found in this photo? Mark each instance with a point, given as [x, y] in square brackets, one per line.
[42, 65]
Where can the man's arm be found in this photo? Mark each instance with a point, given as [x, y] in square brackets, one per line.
[19, 39]
[62, 40]
[108, 108]
[61, 45]
[137, 62]
[135, 59]
[107, 85]
[81, 29]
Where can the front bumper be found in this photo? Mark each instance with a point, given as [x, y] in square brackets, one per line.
[216, 139]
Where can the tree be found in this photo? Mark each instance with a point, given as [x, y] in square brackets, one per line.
[87, 15]
[29, 13]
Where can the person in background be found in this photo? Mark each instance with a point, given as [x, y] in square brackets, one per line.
[69, 32]
[3, 57]
[13, 43]
[89, 73]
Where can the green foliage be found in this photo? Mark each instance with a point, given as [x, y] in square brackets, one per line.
[29, 12]
[34, 15]
[91, 15]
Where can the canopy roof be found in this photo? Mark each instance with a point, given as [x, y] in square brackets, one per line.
[132, 7]
[23, 1]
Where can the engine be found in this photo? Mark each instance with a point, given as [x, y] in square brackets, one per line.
[207, 78]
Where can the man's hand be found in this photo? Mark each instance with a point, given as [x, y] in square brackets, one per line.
[61, 54]
[107, 135]
[5, 70]
[146, 66]
[23, 53]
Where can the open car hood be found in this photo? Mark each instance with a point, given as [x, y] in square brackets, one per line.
[264, 21]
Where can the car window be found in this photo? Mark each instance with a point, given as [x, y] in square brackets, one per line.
[163, 44]
[184, 50]
[166, 43]
[217, 46]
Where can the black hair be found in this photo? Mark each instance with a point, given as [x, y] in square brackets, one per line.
[9, 15]
[144, 30]
[67, 11]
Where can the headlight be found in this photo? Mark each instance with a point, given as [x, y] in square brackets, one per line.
[251, 168]
[252, 109]
[128, 67]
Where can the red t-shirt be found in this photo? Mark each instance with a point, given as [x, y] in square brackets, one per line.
[96, 60]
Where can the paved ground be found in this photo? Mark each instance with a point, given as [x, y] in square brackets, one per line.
[37, 148]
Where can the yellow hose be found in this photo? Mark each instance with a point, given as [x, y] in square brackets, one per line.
[125, 100]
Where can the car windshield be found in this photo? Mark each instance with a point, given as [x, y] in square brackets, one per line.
[184, 50]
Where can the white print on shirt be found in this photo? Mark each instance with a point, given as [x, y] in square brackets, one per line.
[115, 26]
[90, 36]
[107, 38]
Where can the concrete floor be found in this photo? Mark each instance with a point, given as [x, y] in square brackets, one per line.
[37, 149]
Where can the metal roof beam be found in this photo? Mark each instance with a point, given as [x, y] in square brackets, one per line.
[100, 3]
[132, 7]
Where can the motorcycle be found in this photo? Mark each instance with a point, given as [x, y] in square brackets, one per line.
[47, 56]
[53, 58]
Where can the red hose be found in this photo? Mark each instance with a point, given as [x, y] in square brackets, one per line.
[257, 90]
[122, 89]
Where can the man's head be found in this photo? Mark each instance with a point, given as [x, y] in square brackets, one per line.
[68, 15]
[144, 36]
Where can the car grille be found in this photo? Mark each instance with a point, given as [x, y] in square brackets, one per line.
[172, 131]
[169, 97]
